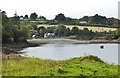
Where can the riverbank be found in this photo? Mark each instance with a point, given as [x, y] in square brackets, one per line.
[70, 41]
[15, 48]
[19, 46]
[38, 42]
[81, 66]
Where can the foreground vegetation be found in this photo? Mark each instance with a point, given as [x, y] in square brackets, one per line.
[82, 66]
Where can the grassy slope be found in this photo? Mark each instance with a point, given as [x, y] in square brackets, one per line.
[83, 66]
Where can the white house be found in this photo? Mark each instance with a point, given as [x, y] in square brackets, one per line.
[83, 22]
[46, 35]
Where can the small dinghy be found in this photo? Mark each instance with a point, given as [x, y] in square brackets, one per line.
[102, 47]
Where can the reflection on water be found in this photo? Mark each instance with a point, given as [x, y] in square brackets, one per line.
[66, 51]
[59, 45]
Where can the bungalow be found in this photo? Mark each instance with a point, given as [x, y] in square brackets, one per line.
[83, 22]
[46, 35]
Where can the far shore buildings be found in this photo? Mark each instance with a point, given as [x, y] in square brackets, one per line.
[83, 22]
[23, 18]
[41, 18]
[48, 35]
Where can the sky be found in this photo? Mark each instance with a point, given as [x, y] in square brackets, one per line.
[70, 8]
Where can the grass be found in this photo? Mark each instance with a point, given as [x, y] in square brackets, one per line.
[37, 42]
[82, 66]
[93, 28]
[41, 21]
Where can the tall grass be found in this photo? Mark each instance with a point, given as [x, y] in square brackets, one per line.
[83, 66]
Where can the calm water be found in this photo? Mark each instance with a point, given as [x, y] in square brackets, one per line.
[66, 51]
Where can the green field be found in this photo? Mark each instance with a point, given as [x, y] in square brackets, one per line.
[42, 21]
[82, 66]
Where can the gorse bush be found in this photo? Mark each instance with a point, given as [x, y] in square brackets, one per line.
[95, 58]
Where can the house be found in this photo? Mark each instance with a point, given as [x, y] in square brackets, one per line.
[41, 18]
[46, 35]
[34, 36]
[23, 18]
[83, 22]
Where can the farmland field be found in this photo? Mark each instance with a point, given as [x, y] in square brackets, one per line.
[94, 29]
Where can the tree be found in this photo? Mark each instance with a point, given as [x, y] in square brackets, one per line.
[85, 18]
[26, 16]
[60, 17]
[33, 16]
[69, 21]
[7, 28]
[3, 12]
[5, 19]
[18, 38]
[10, 29]
[60, 30]
[113, 22]
[28, 30]
[20, 35]
[86, 34]
[42, 18]
[51, 29]
[97, 19]
[118, 32]
[21, 16]
[68, 32]
[41, 31]
[13, 31]
[75, 31]
[35, 27]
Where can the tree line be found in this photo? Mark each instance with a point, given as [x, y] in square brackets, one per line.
[13, 31]
[85, 34]
[86, 20]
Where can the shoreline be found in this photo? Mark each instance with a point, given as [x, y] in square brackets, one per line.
[71, 41]
[15, 48]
